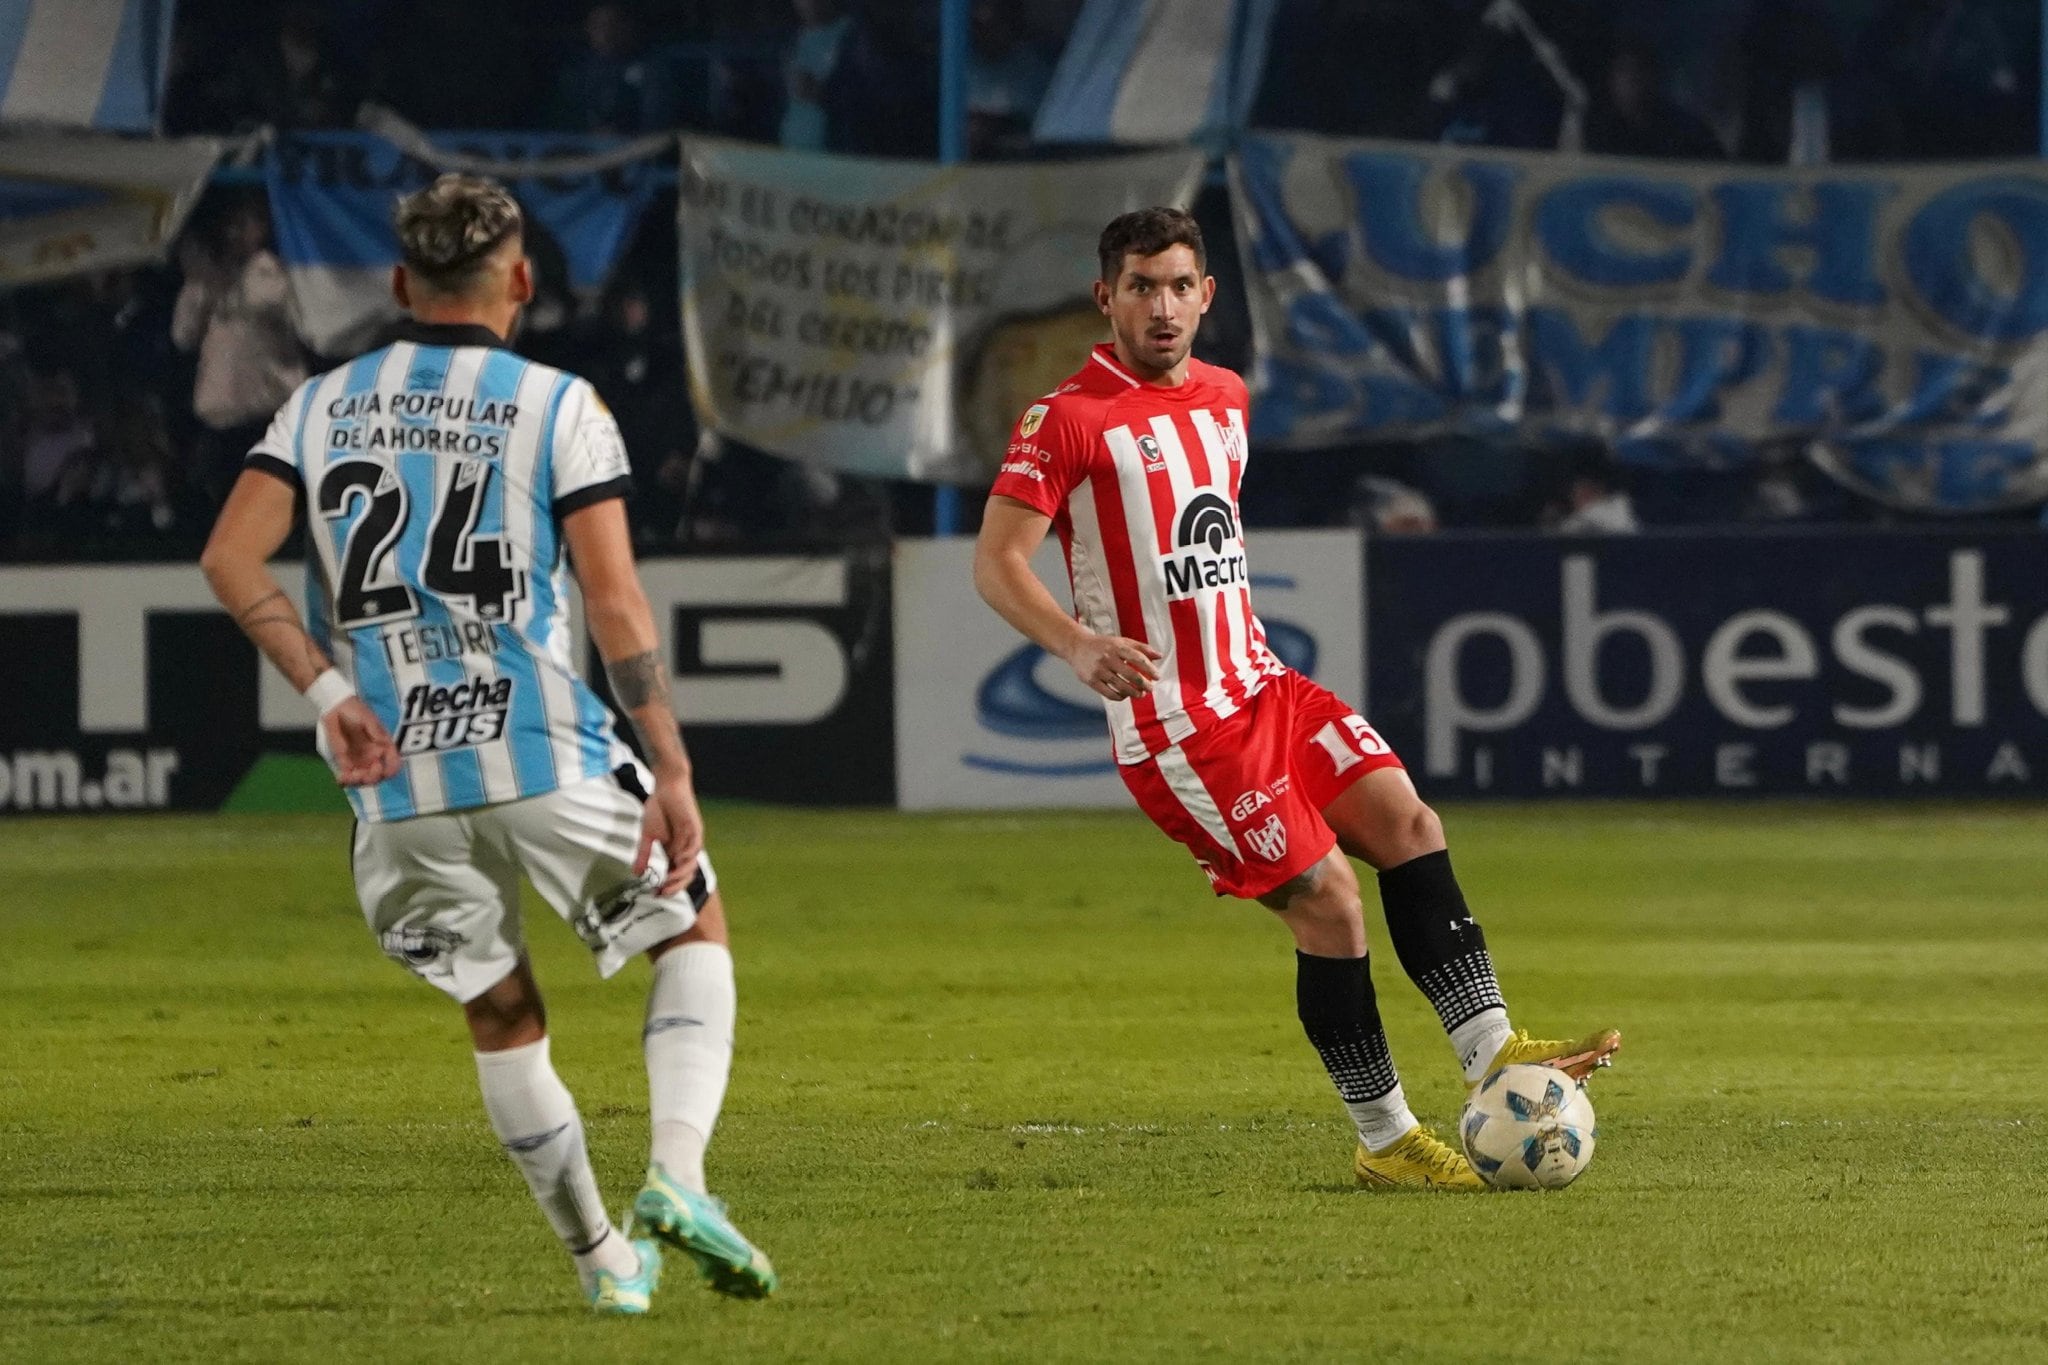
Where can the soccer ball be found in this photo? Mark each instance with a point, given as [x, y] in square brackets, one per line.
[1528, 1128]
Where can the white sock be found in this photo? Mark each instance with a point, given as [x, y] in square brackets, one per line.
[1381, 1122]
[1478, 1039]
[535, 1119]
[690, 1012]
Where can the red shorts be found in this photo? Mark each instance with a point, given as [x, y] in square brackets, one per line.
[1246, 796]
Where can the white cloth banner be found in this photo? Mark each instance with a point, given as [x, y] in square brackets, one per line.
[74, 202]
[893, 317]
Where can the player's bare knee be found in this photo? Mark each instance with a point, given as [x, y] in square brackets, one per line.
[1403, 831]
[1322, 909]
[709, 928]
[509, 1014]
[1421, 831]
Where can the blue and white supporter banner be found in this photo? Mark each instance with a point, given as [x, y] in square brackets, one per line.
[74, 202]
[332, 195]
[894, 318]
[84, 63]
[1889, 318]
[1157, 71]
[1846, 662]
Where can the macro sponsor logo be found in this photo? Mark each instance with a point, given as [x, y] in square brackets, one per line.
[55, 779]
[455, 716]
[1207, 553]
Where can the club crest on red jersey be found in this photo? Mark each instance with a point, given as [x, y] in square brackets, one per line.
[1148, 447]
[1233, 441]
[1269, 840]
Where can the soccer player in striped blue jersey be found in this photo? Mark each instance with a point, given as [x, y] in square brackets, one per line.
[442, 479]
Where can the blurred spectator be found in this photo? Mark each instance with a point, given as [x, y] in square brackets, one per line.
[822, 31]
[616, 84]
[57, 445]
[1390, 507]
[1006, 79]
[1632, 116]
[207, 89]
[455, 64]
[121, 498]
[1594, 502]
[636, 362]
[1357, 67]
[1790, 56]
[1939, 79]
[235, 310]
[1514, 83]
[303, 84]
[883, 95]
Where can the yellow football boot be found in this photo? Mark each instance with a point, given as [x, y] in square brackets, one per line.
[1419, 1161]
[1577, 1058]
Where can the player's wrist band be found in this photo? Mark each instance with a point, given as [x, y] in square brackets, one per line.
[328, 691]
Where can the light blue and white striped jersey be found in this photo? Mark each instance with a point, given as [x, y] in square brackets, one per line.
[436, 472]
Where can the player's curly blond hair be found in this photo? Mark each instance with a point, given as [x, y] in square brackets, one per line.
[447, 231]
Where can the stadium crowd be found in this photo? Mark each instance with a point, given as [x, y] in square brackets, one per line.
[126, 399]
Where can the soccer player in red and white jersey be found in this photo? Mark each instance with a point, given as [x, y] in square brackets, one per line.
[1270, 781]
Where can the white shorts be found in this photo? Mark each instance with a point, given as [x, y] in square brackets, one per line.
[441, 892]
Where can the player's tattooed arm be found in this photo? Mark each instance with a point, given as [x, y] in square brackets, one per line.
[638, 680]
[250, 529]
[275, 628]
[277, 631]
[640, 686]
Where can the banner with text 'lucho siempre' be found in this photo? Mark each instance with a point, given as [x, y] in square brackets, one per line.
[1889, 319]
[893, 318]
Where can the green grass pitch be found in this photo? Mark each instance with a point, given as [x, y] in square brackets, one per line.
[1018, 1088]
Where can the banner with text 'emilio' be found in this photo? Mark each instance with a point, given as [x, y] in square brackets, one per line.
[1867, 663]
[1889, 318]
[894, 318]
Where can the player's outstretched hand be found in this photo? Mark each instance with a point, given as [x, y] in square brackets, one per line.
[363, 752]
[671, 819]
[1115, 667]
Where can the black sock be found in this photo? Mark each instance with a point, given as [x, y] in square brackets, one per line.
[1440, 945]
[1341, 1017]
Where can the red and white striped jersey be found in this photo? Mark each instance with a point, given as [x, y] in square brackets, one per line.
[1141, 482]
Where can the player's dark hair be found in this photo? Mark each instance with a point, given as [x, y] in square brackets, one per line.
[447, 231]
[1147, 232]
